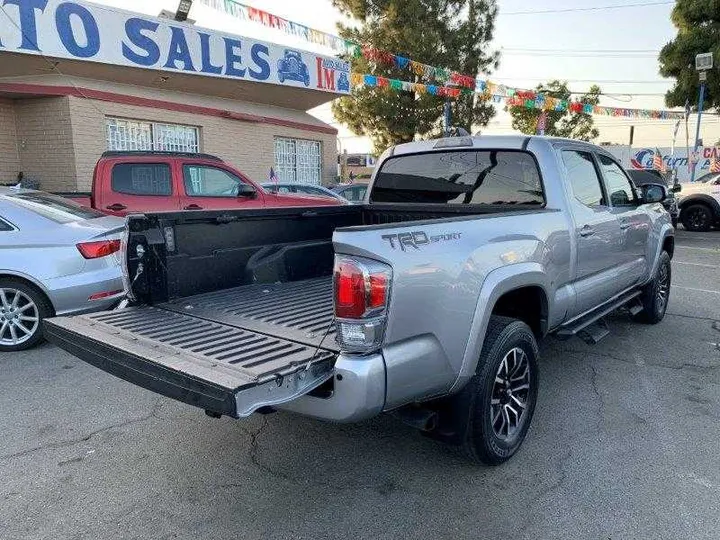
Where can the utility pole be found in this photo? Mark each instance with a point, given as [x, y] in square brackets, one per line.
[703, 64]
[447, 115]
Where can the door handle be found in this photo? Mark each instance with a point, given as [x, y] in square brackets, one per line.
[116, 207]
[586, 231]
[625, 225]
[192, 207]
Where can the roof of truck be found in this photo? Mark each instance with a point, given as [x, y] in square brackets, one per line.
[510, 142]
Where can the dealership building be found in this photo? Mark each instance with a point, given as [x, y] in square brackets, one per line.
[78, 79]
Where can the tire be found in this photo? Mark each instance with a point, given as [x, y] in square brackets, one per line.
[697, 217]
[674, 222]
[656, 294]
[22, 310]
[486, 440]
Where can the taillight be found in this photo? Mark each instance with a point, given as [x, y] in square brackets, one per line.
[95, 250]
[361, 299]
[349, 290]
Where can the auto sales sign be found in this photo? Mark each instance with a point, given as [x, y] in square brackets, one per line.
[81, 31]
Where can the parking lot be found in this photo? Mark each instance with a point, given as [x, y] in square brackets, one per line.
[624, 444]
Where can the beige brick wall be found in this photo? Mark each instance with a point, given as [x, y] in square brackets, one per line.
[248, 146]
[9, 159]
[45, 142]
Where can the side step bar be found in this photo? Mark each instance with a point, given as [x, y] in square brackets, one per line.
[590, 327]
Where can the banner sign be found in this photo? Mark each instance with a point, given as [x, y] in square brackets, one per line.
[82, 31]
[642, 159]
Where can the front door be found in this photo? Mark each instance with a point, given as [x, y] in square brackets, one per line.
[209, 187]
[597, 233]
[633, 220]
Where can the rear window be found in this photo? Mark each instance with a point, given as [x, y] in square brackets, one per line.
[53, 207]
[141, 179]
[475, 177]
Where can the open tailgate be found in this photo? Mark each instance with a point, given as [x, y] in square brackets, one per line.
[218, 367]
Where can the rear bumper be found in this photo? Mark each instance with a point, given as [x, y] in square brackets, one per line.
[70, 295]
[358, 393]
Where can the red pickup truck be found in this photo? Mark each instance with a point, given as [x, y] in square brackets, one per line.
[132, 182]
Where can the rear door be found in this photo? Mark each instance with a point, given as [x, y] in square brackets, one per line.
[215, 187]
[129, 186]
[633, 221]
[597, 232]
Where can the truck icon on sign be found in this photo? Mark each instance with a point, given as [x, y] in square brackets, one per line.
[291, 68]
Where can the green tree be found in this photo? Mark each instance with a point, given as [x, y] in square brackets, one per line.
[558, 123]
[698, 26]
[451, 34]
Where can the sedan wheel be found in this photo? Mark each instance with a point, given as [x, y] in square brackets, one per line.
[22, 309]
[19, 317]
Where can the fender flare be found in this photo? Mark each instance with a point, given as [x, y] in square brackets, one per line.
[703, 198]
[666, 232]
[28, 278]
[498, 282]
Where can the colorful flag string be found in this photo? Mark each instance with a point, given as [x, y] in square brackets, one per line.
[513, 97]
[450, 84]
[342, 46]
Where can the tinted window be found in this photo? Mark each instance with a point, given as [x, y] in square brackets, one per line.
[142, 179]
[464, 177]
[355, 194]
[205, 181]
[5, 226]
[619, 189]
[583, 177]
[53, 207]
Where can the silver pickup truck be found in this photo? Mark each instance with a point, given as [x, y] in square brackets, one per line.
[427, 301]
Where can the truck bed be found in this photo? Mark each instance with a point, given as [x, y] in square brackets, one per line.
[213, 345]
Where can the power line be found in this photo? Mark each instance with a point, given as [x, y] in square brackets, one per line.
[571, 54]
[583, 50]
[597, 8]
[601, 81]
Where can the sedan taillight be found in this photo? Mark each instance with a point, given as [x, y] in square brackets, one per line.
[95, 250]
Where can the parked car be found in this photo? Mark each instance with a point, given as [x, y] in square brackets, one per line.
[303, 189]
[56, 258]
[644, 177]
[427, 302]
[292, 68]
[355, 193]
[700, 203]
[126, 182]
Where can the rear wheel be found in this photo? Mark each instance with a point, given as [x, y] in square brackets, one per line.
[697, 217]
[656, 294]
[22, 309]
[503, 392]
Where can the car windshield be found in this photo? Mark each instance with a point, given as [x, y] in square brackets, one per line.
[53, 207]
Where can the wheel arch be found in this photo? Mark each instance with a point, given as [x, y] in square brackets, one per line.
[31, 282]
[701, 198]
[500, 290]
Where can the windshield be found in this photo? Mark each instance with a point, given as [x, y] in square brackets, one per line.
[476, 177]
[53, 207]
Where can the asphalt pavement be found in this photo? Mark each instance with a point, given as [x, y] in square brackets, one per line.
[624, 444]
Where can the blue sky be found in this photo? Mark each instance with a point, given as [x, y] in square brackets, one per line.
[638, 28]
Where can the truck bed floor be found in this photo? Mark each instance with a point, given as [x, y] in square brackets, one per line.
[299, 311]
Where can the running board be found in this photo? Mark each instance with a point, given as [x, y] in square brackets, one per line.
[588, 328]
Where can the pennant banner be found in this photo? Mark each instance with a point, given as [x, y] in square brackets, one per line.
[461, 84]
[514, 97]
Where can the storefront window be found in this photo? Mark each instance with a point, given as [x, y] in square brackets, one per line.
[125, 134]
[298, 160]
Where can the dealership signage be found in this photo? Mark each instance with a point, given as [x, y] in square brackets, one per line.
[642, 158]
[81, 31]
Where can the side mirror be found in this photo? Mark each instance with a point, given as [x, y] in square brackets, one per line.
[653, 193]
[246, 190]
